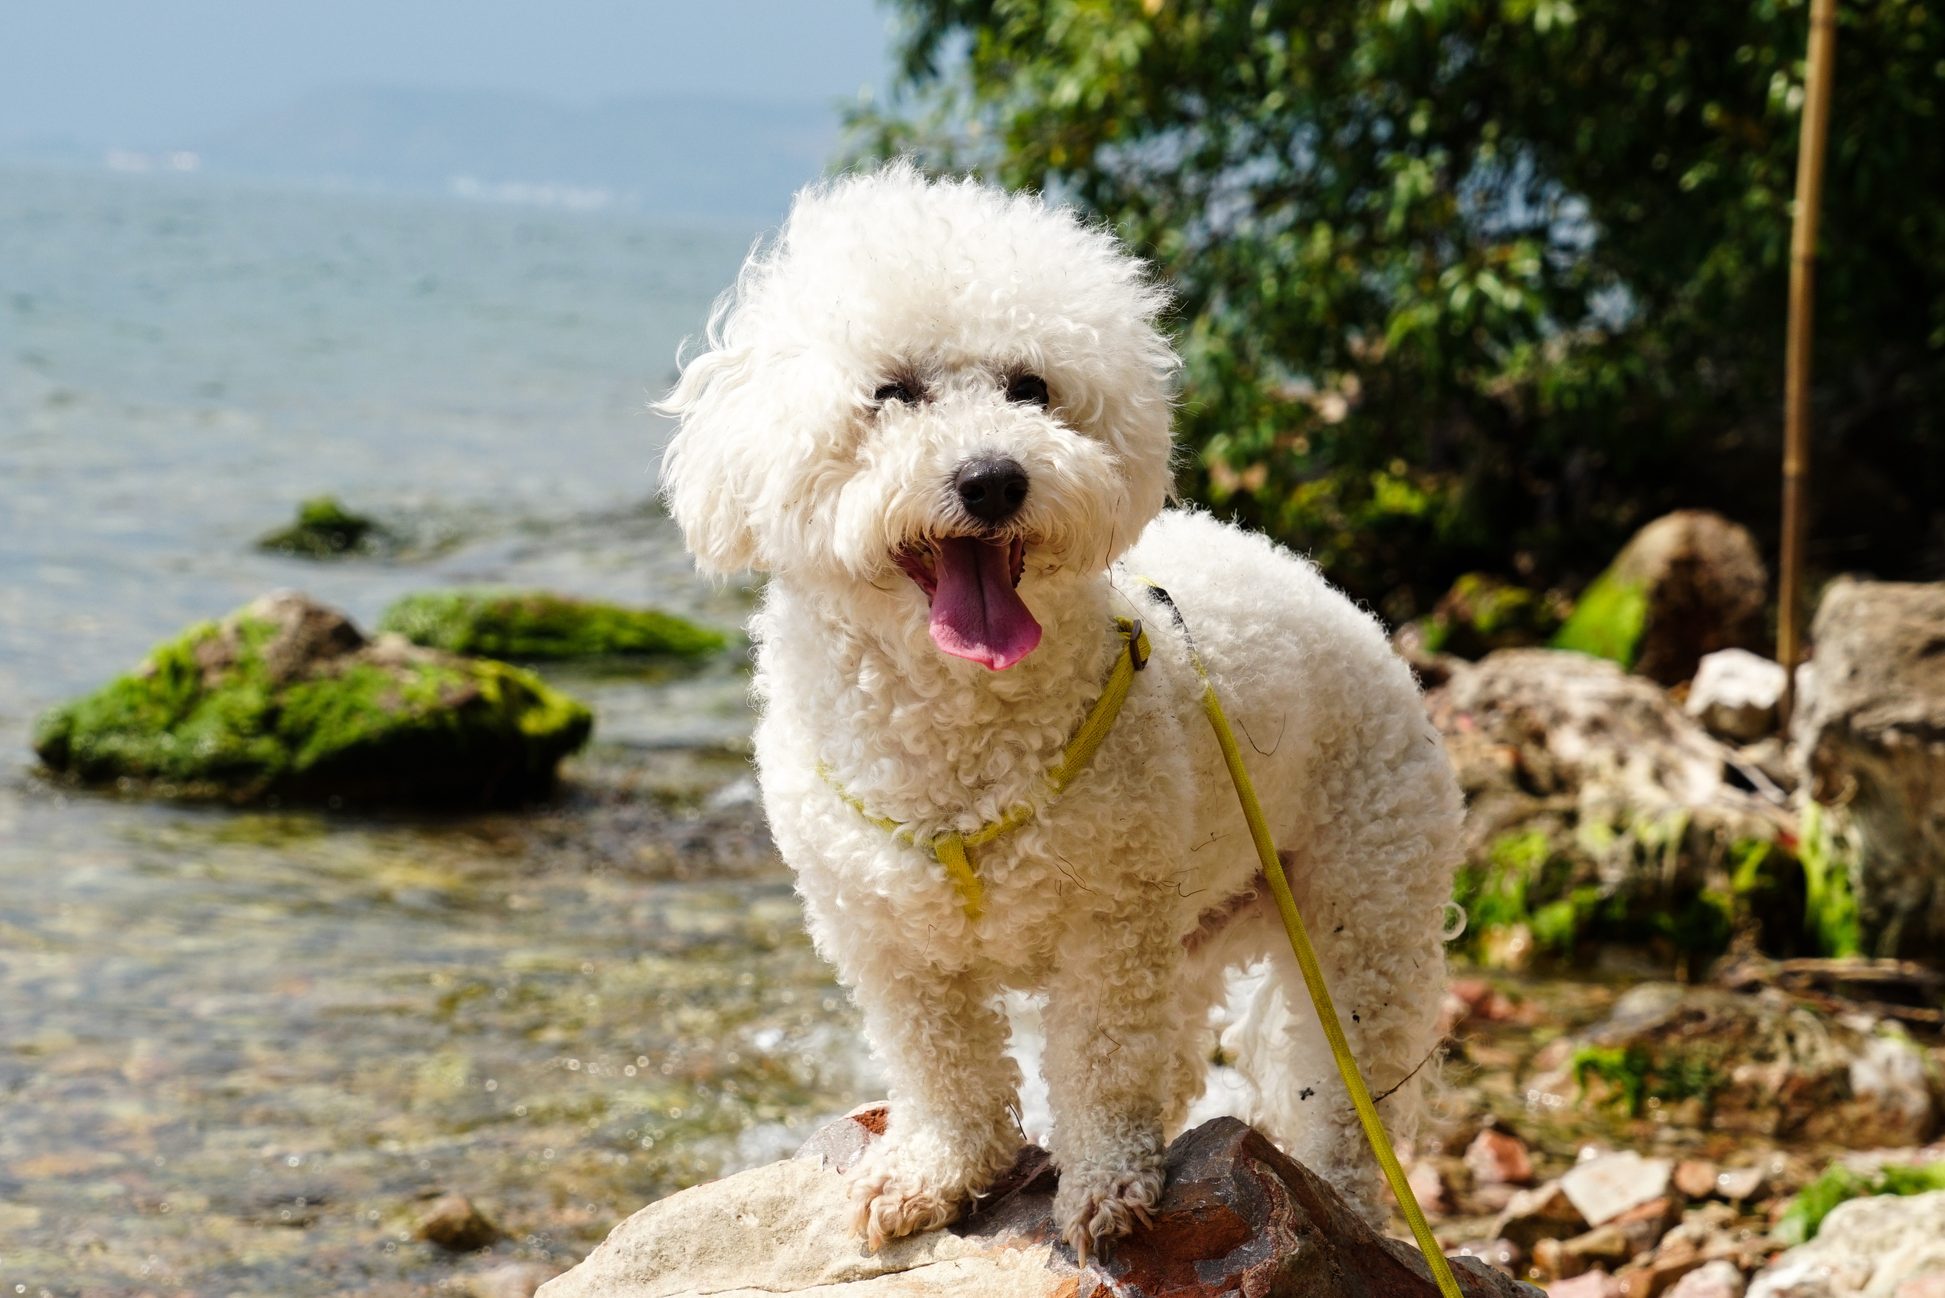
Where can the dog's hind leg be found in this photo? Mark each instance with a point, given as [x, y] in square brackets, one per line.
[942, 1037]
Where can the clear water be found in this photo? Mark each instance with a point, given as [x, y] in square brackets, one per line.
[237, 1049]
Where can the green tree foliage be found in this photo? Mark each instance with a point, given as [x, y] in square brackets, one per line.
[1467, 284]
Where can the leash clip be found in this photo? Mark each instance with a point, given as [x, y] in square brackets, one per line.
[1137, 647]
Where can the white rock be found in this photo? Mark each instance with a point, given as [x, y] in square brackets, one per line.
[1604, 1187]
[1735, 694]
[1865, 1249]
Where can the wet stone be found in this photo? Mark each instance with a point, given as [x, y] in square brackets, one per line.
[452, 1222]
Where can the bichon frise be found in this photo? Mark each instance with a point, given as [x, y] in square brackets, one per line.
[936, 416]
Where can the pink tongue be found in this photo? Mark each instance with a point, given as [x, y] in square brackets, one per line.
[976, 613]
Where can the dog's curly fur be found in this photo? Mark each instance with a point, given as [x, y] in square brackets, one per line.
[875, 348]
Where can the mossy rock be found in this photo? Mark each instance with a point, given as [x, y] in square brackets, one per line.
[1840, 1184]
[1607, 620]
[286, 698]
[1481, 613]
[1686, 585]
[325, 529]
[539, 625]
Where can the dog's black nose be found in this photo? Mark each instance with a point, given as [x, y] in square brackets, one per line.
[992, 489]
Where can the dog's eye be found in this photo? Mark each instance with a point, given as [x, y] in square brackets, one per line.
[897, 390]
[1028, 389]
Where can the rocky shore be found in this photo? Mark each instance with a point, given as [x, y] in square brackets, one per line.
[1694, 1030]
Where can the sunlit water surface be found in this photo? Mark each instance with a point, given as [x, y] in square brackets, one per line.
[239, 1048]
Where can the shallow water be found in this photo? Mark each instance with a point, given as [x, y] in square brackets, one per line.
[238, 1048]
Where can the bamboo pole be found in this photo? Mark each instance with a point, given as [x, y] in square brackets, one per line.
[1796, 390]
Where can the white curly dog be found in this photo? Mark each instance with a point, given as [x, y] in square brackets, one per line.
[936, 415]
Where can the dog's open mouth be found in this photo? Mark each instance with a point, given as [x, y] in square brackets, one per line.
[976, 612]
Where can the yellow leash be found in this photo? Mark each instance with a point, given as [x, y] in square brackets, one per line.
[1313, 973]
[954, 854]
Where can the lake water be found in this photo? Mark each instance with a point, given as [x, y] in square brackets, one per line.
[238, 1049]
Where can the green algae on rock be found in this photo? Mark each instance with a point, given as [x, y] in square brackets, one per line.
[285, 697]
[542, 625]
[325, 529]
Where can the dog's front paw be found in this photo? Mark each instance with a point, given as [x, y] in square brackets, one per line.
[897, 1193]
[1098, 1204]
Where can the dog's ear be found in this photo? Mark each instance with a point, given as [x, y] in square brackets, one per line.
[709, 476]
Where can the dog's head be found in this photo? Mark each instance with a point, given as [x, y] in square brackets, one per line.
[931, 399]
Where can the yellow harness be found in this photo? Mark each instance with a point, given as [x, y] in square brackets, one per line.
[954, 850]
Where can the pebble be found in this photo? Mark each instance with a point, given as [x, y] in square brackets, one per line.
[1590, 1284]
[1543, 1212]
[1696, 1178]
[1739, 1183]
[1607, 1185]
[452, 1222]
[1498, 1157]
[1428, 1186]
[1717, 1279]
[513, 1280]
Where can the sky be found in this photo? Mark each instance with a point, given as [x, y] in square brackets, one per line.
[103, 71]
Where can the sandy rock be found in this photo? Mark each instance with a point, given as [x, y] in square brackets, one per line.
[452, 1222]
[1735, 695]
[1499, 1158]
[1591, 1284]
[1237, 1217]
[1871, 734]
[1759, 1063]
[1929, 1285]
[1717, 1279]
[1867, 1248]
[1686, 585]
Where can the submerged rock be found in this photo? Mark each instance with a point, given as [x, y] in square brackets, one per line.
[538, 625]
[1872, 739]
[325, 529]
[1237, 1217]
[1687, 584]
[285, 697]
[453, 1223]
[1761, 1064]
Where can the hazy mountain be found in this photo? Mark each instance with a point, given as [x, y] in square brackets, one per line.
[674, 156]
